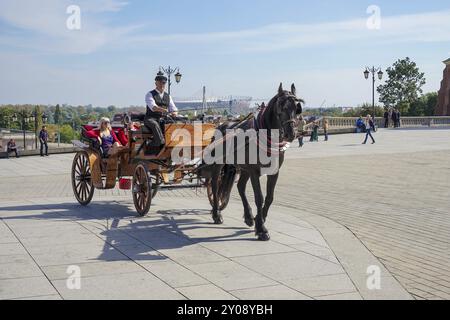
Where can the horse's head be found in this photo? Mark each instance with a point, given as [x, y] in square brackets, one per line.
[287, 108]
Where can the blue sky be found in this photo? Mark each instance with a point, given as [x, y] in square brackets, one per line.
[232, 47]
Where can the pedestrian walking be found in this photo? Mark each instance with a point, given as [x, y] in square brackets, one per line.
[43, 139]
[369, 126]
[301, 131]
[315, 132]
[325, 128]
[391, 117]
[399, 123]
[394, 118]
[386, 119]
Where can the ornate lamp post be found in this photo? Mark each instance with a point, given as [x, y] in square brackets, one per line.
[25, 118]
[374, 71]
[169, 72]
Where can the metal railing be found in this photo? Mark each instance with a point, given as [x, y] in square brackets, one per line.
[408, 122]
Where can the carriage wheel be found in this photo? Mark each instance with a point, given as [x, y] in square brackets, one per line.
[82, 179]
[155, 185]
[224, 195]
[142, 189]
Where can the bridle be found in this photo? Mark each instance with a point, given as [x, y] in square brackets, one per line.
[259, 120]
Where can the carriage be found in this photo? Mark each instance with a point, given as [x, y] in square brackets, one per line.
[132, 168]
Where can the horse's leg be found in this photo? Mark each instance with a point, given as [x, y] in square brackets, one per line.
[271, 183]
[217, 217]
[248, 216]
[261, 232]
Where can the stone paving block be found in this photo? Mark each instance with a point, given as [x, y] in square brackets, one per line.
[93, 269]
[174, 274]
[231, 276]
[292, 265]
[245, 247]
[284, 238]
[25, 269]
[25, 287]
[6, 236]
[74, 254]
[138, 285]
[15, 258]
[205, 292]
[316, 250]
[322, 285]
[53, 229]
[191, 255]
[8, 249]
[41, 298]
[278, 292]
[140, 252]
[58, 239]
[342, 296]
[156, 237]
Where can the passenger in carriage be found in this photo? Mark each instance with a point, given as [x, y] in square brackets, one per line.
[158, 102]
[107, 138]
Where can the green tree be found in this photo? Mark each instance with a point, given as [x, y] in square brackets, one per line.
[58, 115]
[404, 85]
[67, 133]
[424, 106]
[365, 109]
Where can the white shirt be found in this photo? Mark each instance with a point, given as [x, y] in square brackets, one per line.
[151, 102]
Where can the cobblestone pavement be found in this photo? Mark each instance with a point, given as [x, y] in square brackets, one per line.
[394, 196]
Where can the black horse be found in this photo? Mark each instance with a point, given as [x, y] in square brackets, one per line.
[280, 116]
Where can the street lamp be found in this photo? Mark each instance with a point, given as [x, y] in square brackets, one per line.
[34, 118]
[25, 118]
[169, 72]
[367, 73]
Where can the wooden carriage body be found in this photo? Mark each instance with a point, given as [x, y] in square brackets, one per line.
[148, 173]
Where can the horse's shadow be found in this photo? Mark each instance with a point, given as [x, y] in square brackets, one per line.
[136, 238]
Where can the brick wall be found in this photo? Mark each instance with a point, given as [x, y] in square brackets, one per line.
[443, 106]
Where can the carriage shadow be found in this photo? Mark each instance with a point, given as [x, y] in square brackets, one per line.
[138, 239]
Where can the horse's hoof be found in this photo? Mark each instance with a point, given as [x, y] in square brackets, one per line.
[263, 236]
[218, 219]
[249, 222]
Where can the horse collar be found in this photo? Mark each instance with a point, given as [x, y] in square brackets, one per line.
[259, 120]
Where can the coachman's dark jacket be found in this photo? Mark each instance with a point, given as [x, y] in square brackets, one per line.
[160, 102]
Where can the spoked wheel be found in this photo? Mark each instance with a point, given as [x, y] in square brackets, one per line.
[155, 185]
[226, 181]
[142, 189]
[82, 179]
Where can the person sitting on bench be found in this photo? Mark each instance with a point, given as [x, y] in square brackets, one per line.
[158, 102]
[11, 147]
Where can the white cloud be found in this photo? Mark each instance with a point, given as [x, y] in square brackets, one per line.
[45, 24]
[46, 19]
[425, 27]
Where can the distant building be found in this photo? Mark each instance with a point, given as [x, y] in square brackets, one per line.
[346, 109]
[443, 106]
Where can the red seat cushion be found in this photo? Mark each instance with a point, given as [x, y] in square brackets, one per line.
[93, 133]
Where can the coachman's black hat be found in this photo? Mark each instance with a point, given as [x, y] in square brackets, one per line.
[161, 78]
